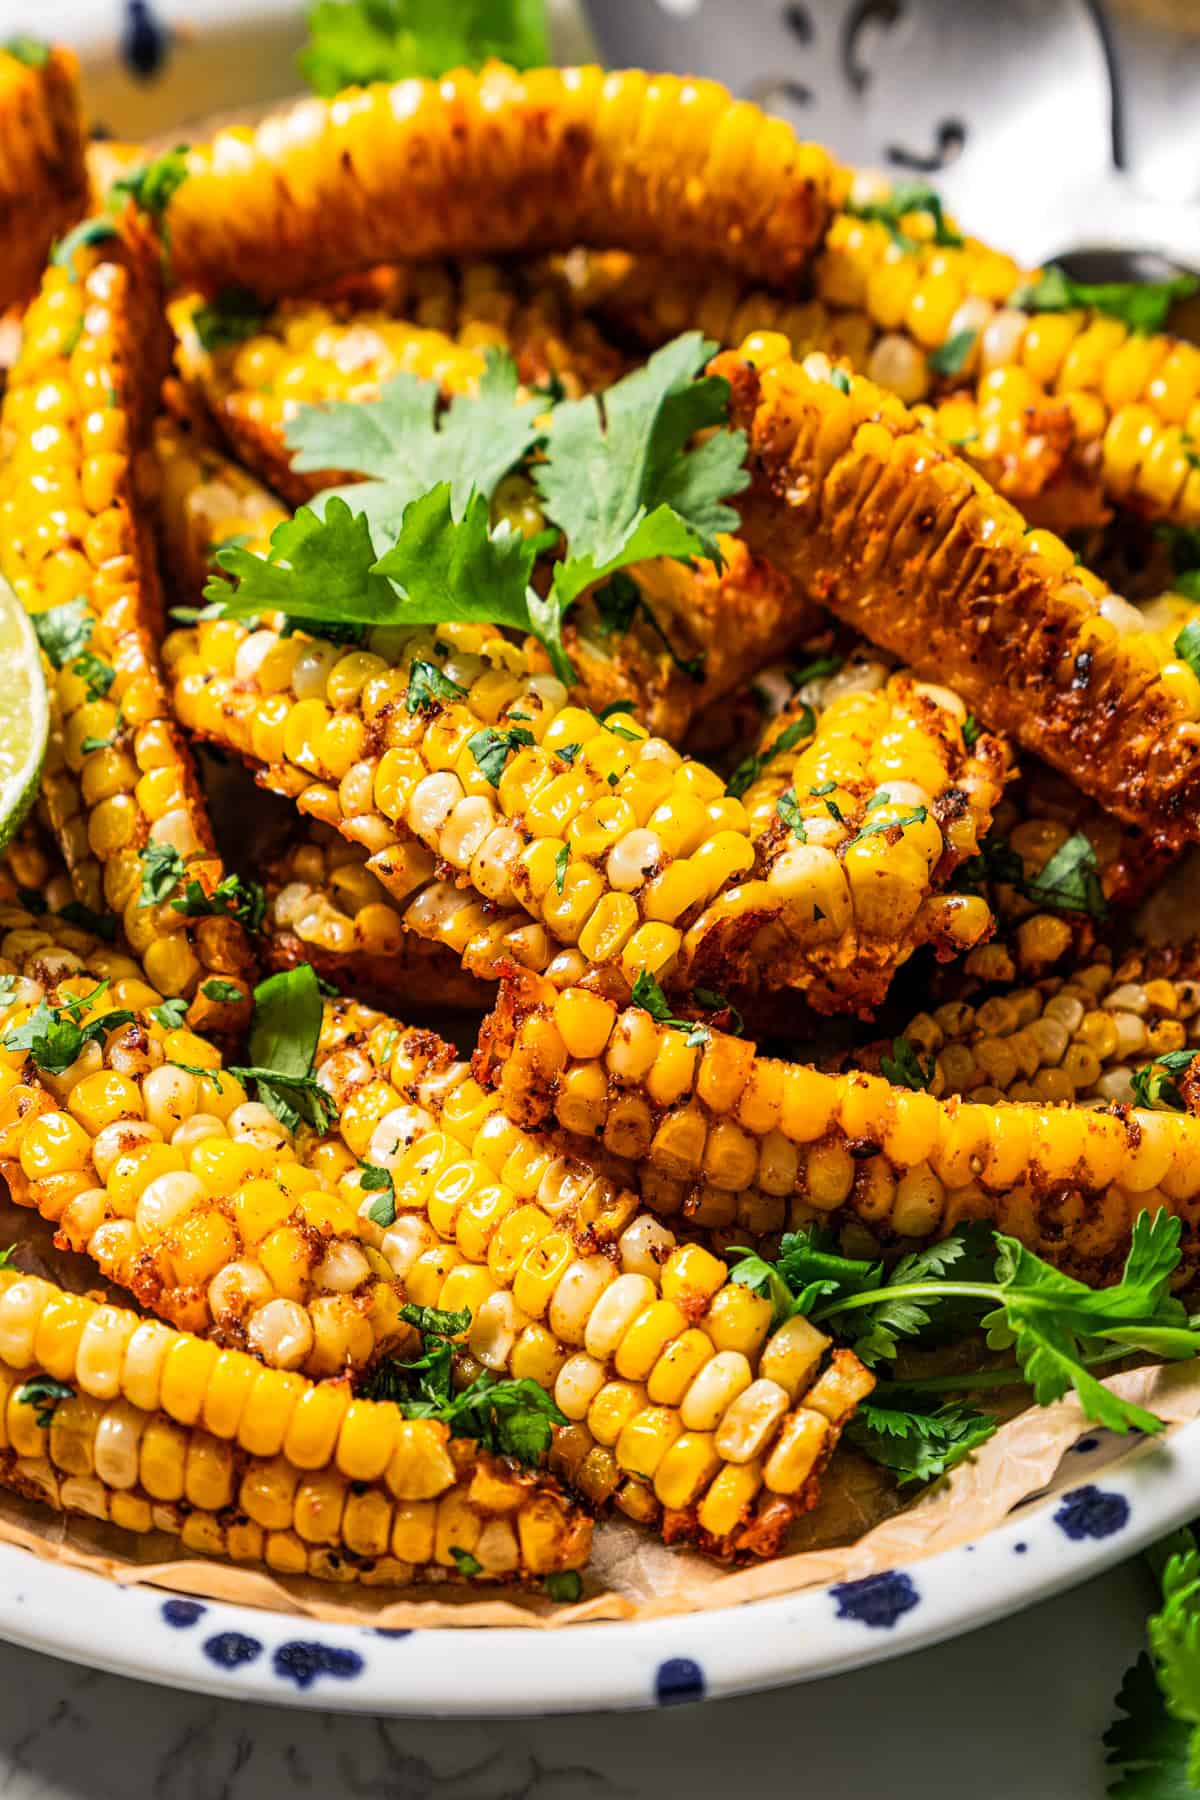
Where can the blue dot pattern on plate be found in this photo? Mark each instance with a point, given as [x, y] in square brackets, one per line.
[302, 1662]
[181, 1613]
[145, 41]
[392, 1631]
[876, 1600]
[679, 1678]
[1086, 1444]
[230, 1649]
[1091, 1513]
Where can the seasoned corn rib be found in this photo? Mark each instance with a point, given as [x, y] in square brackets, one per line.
[163, 1432]
[606, 837]
[684, 1405]
[314, 351]
[73, 533]
[43, 182]
[147, 1154]
[325, 907]
[1066, 1181]
[867, 512]
[1082, 1036]
[203, 500]
[501, 162]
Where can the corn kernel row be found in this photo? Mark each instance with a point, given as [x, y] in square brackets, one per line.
[120, 778]
[146, 1153]
[1067, 1181]
[856, 502]
[163, 1432]
[682, 1400]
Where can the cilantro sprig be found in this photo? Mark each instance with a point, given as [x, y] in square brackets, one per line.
[1142, 305]
[1056, 1327]
[648, 993]
[514, 1417]
[353, 42]
[53, 1035]
[285, 1028]
[1154, 1743]
[1153, 1084]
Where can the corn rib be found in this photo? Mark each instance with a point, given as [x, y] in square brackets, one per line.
[867, 512]
[43, 182]
[163, 1432]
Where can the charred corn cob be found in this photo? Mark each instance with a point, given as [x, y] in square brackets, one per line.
[865, 510]
[43, 182]
[149, 1155]
[607, 837]
[1067, 1181]
[1079, 1037]
[501, 162]
[307, 352]
[120, 781]
[203, 501]
[160, 1431]
[684, 1405]
[325, 907]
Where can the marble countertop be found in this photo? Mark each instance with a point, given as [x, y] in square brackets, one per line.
[68, 1732]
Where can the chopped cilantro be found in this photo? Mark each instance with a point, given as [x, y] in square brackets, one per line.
[53, 1036]
[1141, 305]
[354, 42]
[97, 675]
[1187, 646]
[171, 1014]
[562, 858]
[374, 1179]
[917, 816]
[788, 808]
[492, 749]
[44, 1393]
[64, 632]
[284, 1031]
[102, 925]
[972, 731]
[233, 316]
[951, 358]
[1070, 880]
[28, 50]
[815, 670]
[907, 197]
[222, 993]
[428, 688]
[1152, 1083]
[904, 1068]
[564, 1586]
[840, 380]
[752, 766]
[162, 871]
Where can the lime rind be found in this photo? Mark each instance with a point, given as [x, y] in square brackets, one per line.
[24, 714]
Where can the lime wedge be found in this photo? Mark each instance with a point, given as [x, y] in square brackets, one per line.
[24, 714]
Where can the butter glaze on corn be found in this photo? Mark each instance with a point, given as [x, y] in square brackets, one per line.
[73, 526]
[164, 1432]
[867, 511]
[1066, 1181]
[622, 850]
[685, 1406]
[181, 1188]
[43, 181]
[496, 163]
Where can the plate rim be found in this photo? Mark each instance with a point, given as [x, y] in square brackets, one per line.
[234, 1651]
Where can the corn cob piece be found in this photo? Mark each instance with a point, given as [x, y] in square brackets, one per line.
[500, 162]
[314, 351]
[868, 512]
[684, 1405]
[325, 907]
[1067, 1181]
[1078, 1037]
[149, 1155]
[119, 778]
[43, 182]
[204, 500]
[613, 843]
[163, 1432]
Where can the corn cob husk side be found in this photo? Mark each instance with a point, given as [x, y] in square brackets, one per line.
[868, 512]
[614, 844]
[43, 182]
[496, 163]
[319, 350]
[150, 1156]
[163, 1432]
[76, 417]
[325, 907]
[1067, 1181]
[685, 1407]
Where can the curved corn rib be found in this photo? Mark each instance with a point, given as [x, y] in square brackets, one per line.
[611, 841]
[312, 352]
[1066, 1181]
[72, 533]
[146, 1153]
[683, 1403]
[495, 163]
[866, 511]
[166, 1433]
[43, 181]
[325, 907]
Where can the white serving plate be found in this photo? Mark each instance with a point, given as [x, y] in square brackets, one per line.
[1109, 1499]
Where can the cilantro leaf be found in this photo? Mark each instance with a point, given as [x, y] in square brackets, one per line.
[53, 1036]
[1187, 645]
[221, 993]
[170, 1014]
[1070, 880]
[951, 358]
[374, 1179]
[162, 871]
[492, 749]
[405, 445]
[44, 1393]
[647, 993]
[1142, 305]
[564, 1585]
[915, 1441]
[1150, 1749]
[904, 1068]
[232, 898]
[28, 50]
[64, 632]
[428, 688]
[319, 568]
[907, 197]
[102, 925]
[234, 315]
[153, 185]
[816, 670]
[284, 1031]
[353, 42]
[788, 808]
[1152, 1084]
[619, 481]
[97, 675]
[461, 569]
[972, 731]
[752, 766]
